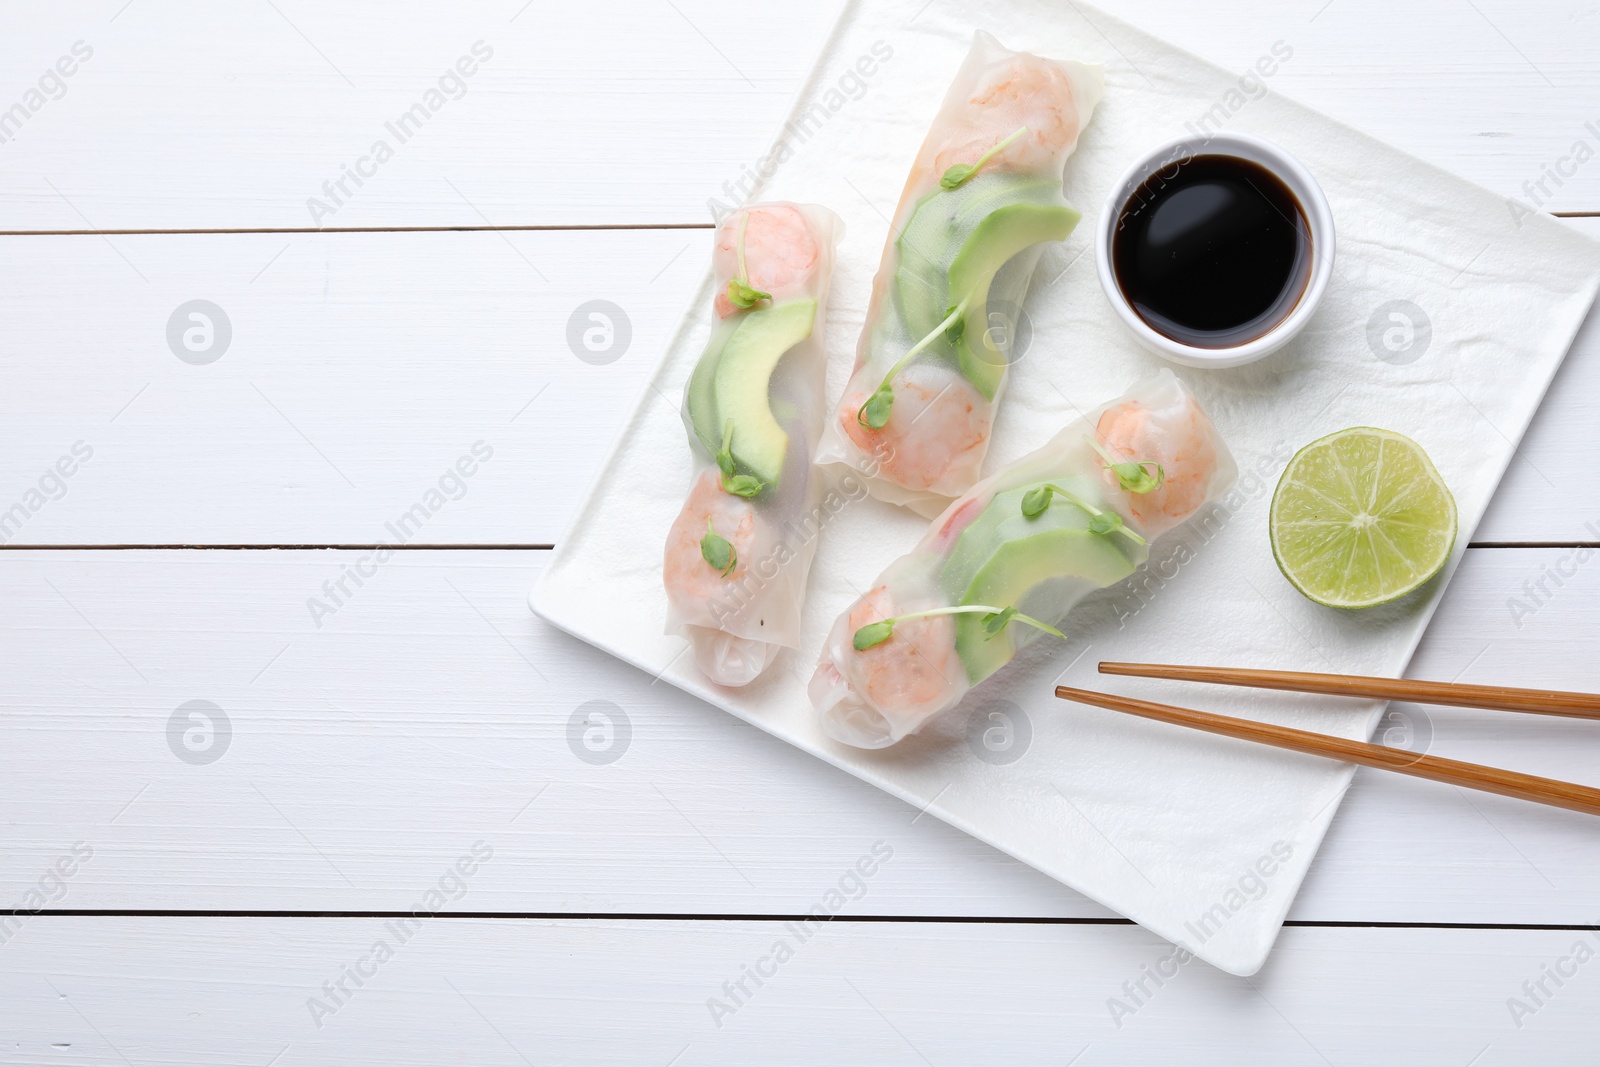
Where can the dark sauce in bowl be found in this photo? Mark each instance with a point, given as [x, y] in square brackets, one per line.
[1213, 251]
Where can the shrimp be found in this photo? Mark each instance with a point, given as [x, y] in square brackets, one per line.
[1005, 111]
[982, 556]
[873, 697]
[1180, 438]
[720, 612]
[936, 433]
[742, 611]
[907, 671]
[780, 252]
[1026, 91]
[701, 593]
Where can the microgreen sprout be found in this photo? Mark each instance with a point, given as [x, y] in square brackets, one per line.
[740, 293]
[717, 551]
[875, 412]
[993, 624]
[1037, 499]
[954, 331]
[1133, 477]
[745, 485]
[958, 174]
[995, 620]
[1110, 522]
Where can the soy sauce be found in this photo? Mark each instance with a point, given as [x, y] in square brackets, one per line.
[1213, 251]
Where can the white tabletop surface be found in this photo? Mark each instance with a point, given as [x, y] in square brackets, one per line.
[209, 883]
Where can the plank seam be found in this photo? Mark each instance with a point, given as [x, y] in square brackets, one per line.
[1533, 544]
[1008, 920]
[530, 227]
[506, 547]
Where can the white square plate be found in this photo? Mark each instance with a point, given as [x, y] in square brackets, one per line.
[1202, 839]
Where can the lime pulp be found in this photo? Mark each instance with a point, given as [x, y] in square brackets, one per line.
[1361, 517]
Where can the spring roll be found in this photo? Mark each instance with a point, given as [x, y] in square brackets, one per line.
[983, 198]
[739, 553]
[1007, 561]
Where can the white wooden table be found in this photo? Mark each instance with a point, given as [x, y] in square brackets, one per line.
[209, 883]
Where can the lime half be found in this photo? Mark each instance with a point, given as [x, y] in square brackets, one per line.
[1361, 517]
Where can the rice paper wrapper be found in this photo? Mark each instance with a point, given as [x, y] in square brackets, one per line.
[1158, 823]
[988, 549]
[738, 619]
[933, 446]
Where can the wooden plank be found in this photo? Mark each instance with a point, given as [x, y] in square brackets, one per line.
[587, 114]
[361, 367]
[1542, 490]
[575, 114]
[171, 991]
[430, 708]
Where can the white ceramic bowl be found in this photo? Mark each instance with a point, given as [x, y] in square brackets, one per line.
[1300, 183]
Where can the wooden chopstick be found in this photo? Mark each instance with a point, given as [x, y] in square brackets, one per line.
[1435, 768]
[1496, 697]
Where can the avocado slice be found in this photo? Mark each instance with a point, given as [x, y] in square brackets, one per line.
[1003, 555]
[1015, 569]
[699, 401]
[939, 226]
[1001, 521]
[732, 385]
[1001, 235]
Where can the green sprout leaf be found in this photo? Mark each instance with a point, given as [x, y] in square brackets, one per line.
[957, 175]
[954, 331]
[1036, 500]
[993, 624]
[741, 295]
[875, 412]
[873, 633]
[717, 551]
[995, 620]
[1134, 477]
[745, 485]
[1105, 522]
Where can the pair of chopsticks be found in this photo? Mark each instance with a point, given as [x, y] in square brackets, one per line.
[1435, 768]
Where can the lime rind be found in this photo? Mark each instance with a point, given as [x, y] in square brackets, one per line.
[1361, 517]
